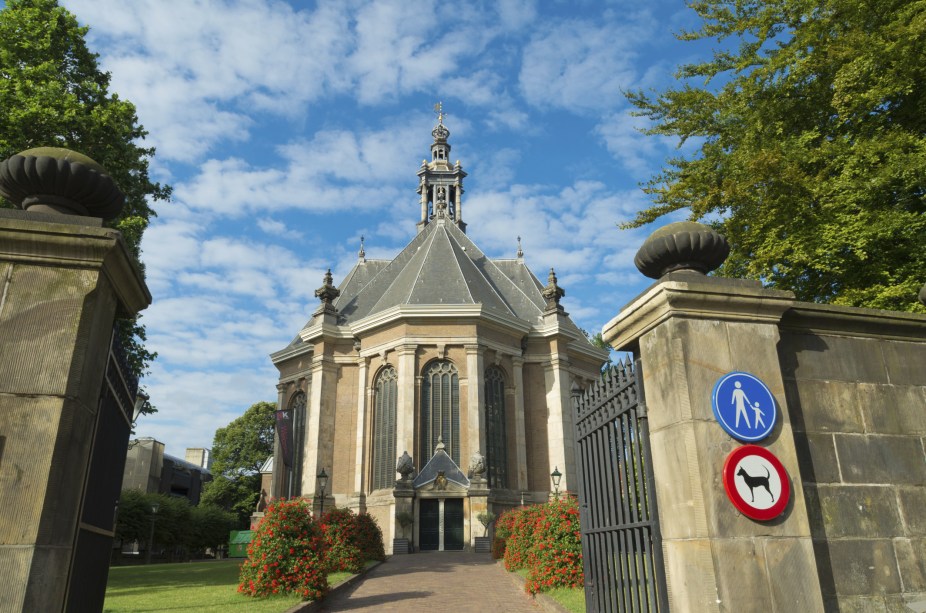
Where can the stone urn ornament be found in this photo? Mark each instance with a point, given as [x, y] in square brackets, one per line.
[405, 466]
[477, 466]
[61, 182]
[683, 245]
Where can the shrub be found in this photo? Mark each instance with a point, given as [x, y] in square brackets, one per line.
[555, 558]
[498, 548]
[286, 554]
[352, 540]
[546, 540]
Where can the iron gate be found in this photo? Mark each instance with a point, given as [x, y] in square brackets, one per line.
[621, 544]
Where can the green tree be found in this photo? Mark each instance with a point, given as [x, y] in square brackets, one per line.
[209, 527]
[238, 451]
[53, 93]
[810, 126]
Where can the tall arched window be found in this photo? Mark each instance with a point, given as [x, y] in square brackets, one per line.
[440, 410]
[384, 407]
[496, 443]
[297, 412]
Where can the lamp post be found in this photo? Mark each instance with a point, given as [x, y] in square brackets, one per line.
[154, 515]
[556, 476]
[322, 479]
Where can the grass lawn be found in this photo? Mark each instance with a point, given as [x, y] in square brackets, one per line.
[199, 587]
[572, 599]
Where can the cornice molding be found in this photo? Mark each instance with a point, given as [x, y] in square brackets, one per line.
[694, 296]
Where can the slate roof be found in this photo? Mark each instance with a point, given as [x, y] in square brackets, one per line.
[440, 462]
[441, 265]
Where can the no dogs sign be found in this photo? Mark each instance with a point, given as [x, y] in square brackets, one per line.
[756, 482]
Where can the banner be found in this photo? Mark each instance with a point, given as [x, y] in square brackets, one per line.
[284, 424]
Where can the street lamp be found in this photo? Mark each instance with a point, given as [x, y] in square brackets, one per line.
[154, 515]
[556, 476]
[322, 479]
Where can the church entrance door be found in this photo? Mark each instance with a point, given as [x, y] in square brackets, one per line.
[453, 524]
[437, 535]
[429, 528]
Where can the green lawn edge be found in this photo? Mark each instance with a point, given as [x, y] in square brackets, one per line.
[196, 586]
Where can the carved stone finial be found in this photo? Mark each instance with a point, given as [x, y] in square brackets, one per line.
[440, 444]
[59, 181]
[405, 466]
[327, 294]
[362, 254]
[683, 245]
[262, 501]
[520, 251]
[552, 293]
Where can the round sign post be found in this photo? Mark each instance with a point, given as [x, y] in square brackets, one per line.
[756, 482]
[744, 406]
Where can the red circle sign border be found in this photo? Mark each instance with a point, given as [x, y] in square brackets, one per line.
[729, 466]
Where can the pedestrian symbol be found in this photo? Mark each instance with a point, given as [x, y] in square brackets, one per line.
[744, 406]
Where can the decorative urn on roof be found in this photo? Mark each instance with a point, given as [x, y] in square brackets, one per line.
[59, 181]
[683, 245]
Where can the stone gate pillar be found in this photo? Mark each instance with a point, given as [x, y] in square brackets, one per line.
[63, 280]
[690, 330]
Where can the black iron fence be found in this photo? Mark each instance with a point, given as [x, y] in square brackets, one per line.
[94, 536]
[621, 544]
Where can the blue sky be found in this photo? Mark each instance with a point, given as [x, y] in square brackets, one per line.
[288, 130]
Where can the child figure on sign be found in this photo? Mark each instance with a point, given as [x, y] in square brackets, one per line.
[759, 413]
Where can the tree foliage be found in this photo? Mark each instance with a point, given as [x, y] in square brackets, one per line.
[810, 129]
[177, 525]
[53, 93]
[238, 451]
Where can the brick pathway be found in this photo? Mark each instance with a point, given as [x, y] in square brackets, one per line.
[451, 581]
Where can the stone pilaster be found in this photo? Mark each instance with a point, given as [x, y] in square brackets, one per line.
[405, 398]
[517, 366]
[475, 408]
[364, 399]
[319, 438]
[689, 331]
[560, 441]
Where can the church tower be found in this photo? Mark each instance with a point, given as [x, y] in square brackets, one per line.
[433, 386]
[440, 185]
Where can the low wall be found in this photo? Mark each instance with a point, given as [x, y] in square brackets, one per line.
[850, 385]
[855, 383]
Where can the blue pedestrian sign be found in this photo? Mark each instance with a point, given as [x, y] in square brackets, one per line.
[744, 406]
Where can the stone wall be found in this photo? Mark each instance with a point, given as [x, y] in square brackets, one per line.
[855, 382]
[851, 433]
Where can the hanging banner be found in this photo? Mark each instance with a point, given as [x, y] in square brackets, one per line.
[284, 424]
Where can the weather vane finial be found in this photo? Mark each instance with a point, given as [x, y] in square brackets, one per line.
[439, 109]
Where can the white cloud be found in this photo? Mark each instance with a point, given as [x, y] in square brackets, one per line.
[579, 65]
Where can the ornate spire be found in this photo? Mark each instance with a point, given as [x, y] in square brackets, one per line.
[552, 293]
[520, 251]
[440, 183]
[327, 293]
[362, 255]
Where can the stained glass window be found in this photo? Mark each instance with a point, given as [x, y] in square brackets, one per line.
[440, 410]
[384, 410]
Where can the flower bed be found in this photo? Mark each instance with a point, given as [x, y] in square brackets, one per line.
[292, 552]
[545, 539]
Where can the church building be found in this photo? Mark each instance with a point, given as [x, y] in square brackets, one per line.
[434, 386]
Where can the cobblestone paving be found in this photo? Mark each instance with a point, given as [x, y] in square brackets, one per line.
[454, 582]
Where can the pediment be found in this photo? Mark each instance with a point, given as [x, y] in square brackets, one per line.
[441, 473]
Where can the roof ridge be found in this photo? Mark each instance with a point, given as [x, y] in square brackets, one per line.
[456, 258]
[502, 273]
